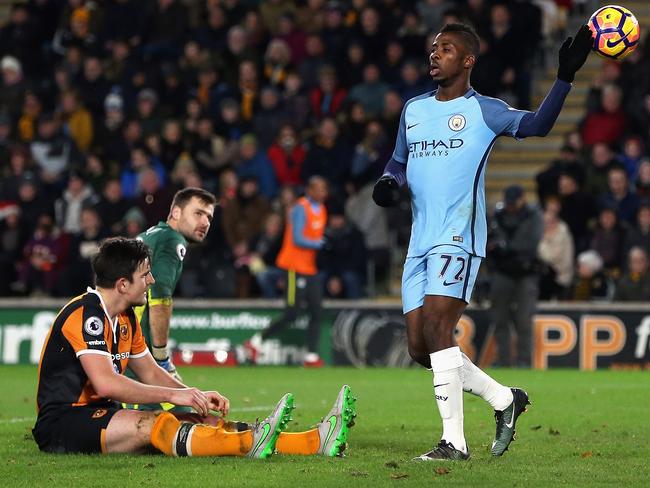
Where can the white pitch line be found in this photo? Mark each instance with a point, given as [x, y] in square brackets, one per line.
[252, 409]
[20, 420]
[17, 420]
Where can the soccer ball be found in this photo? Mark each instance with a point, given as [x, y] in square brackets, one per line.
[616, 31]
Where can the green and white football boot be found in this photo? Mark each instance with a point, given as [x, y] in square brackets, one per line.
[266, 432]
[506, 420]
[335, 427]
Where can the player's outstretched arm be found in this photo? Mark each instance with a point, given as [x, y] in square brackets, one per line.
[572, 56]
[386, 190]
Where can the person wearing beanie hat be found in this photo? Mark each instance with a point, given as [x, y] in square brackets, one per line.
[591, 283]
[13, 86]
[134, 222]
[8, 208]
[10, 63]
[113, 101]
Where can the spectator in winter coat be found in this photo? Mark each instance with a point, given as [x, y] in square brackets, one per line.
[77, 196]
[635, 284]
[253, 162]
[556, 252]
[590, 282]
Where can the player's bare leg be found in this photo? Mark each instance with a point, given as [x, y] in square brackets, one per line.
[129, 431]
[440, 317]
[417, 346]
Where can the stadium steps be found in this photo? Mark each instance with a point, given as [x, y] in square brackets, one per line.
[518, 162]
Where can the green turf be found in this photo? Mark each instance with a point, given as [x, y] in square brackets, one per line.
[583, 429]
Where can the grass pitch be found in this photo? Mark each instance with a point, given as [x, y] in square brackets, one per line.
[583, 429]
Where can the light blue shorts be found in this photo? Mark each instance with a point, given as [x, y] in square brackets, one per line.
[448, 271]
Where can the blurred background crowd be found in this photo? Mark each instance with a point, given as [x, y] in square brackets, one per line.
[108, 107]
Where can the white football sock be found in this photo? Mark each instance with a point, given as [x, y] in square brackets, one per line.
[477, 382]
[448, 388]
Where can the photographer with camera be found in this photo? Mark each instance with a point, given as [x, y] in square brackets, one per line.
[514, 235]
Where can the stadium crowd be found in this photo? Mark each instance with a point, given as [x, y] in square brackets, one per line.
[596, 194]
[108, 107]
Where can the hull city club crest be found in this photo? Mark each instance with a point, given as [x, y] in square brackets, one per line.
[124, 332]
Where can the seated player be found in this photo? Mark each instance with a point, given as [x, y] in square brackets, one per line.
[91, 342]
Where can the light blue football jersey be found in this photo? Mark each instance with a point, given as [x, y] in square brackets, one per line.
[445, 146]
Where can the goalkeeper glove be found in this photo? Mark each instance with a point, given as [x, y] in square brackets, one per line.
[161, 356]
[386, 192]
[573, 54]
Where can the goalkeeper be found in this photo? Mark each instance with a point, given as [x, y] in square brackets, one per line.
[189, 220]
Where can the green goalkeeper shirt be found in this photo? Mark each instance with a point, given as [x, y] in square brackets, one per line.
[167, 253]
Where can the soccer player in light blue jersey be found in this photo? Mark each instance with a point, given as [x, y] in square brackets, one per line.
[443, 142]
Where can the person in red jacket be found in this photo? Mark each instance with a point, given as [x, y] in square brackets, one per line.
[327, 98]
[287, 154]
[609, 123]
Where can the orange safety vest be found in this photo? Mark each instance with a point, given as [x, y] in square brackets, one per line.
[302, 260]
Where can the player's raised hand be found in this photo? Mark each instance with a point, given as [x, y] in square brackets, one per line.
[573, 54]
[218, 402]
[386, 192]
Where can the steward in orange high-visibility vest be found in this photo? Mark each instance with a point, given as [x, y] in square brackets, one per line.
[303, 237]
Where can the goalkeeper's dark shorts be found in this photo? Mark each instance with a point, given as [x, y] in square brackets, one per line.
[74, 429]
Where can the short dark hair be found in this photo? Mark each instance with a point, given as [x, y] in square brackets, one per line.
[182, 197]
[467, 33]
[118, 257]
